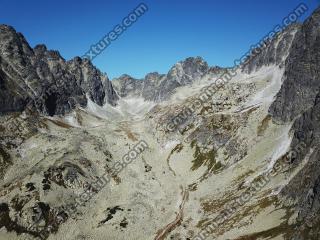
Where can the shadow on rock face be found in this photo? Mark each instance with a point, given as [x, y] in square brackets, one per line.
[51, 104]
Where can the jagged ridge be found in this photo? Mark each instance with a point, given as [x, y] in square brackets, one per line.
[42, 79]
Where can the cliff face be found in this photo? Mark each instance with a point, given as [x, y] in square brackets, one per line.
[302, 77]
[299, 100]
[42, 79]
[273, 51]
[297, 50]
[304, 188]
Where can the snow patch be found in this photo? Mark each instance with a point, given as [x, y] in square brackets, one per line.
[283, 147]
[71, 119]
[170, 144]
[135, 107]
[105, 112]
[266, 94]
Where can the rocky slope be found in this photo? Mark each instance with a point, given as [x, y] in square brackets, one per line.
[156, 158]
[43, 79]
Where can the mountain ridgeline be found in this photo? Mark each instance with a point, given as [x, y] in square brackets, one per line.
[244, 129]
[41, 79]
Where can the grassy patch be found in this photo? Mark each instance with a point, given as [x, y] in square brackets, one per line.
[207, 158]
[177, 148]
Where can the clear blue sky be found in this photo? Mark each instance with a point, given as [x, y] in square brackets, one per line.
[217, 30]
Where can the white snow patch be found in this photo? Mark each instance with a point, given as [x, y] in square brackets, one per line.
[135, 107]
[105, 112]
[194, 89]
[170, 144]
[129, 107]
[283, 147]
[71, 119]
[267, 94]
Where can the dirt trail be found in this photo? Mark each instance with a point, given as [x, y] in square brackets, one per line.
[162, 233]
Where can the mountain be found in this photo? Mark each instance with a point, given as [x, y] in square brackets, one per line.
[159, 87]
[301, 78]
[169, 156]
[298, 101]
[41, 78]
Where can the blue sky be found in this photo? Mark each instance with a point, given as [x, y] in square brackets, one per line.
[170, 31]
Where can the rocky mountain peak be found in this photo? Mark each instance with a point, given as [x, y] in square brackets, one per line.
[42, 79]
[40, 49]
[126, 85]
[153, 76]
[126, 77]
[12, 42]
[185, 72]
[159, 87]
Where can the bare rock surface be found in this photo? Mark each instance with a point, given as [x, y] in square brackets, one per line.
[43, 79]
